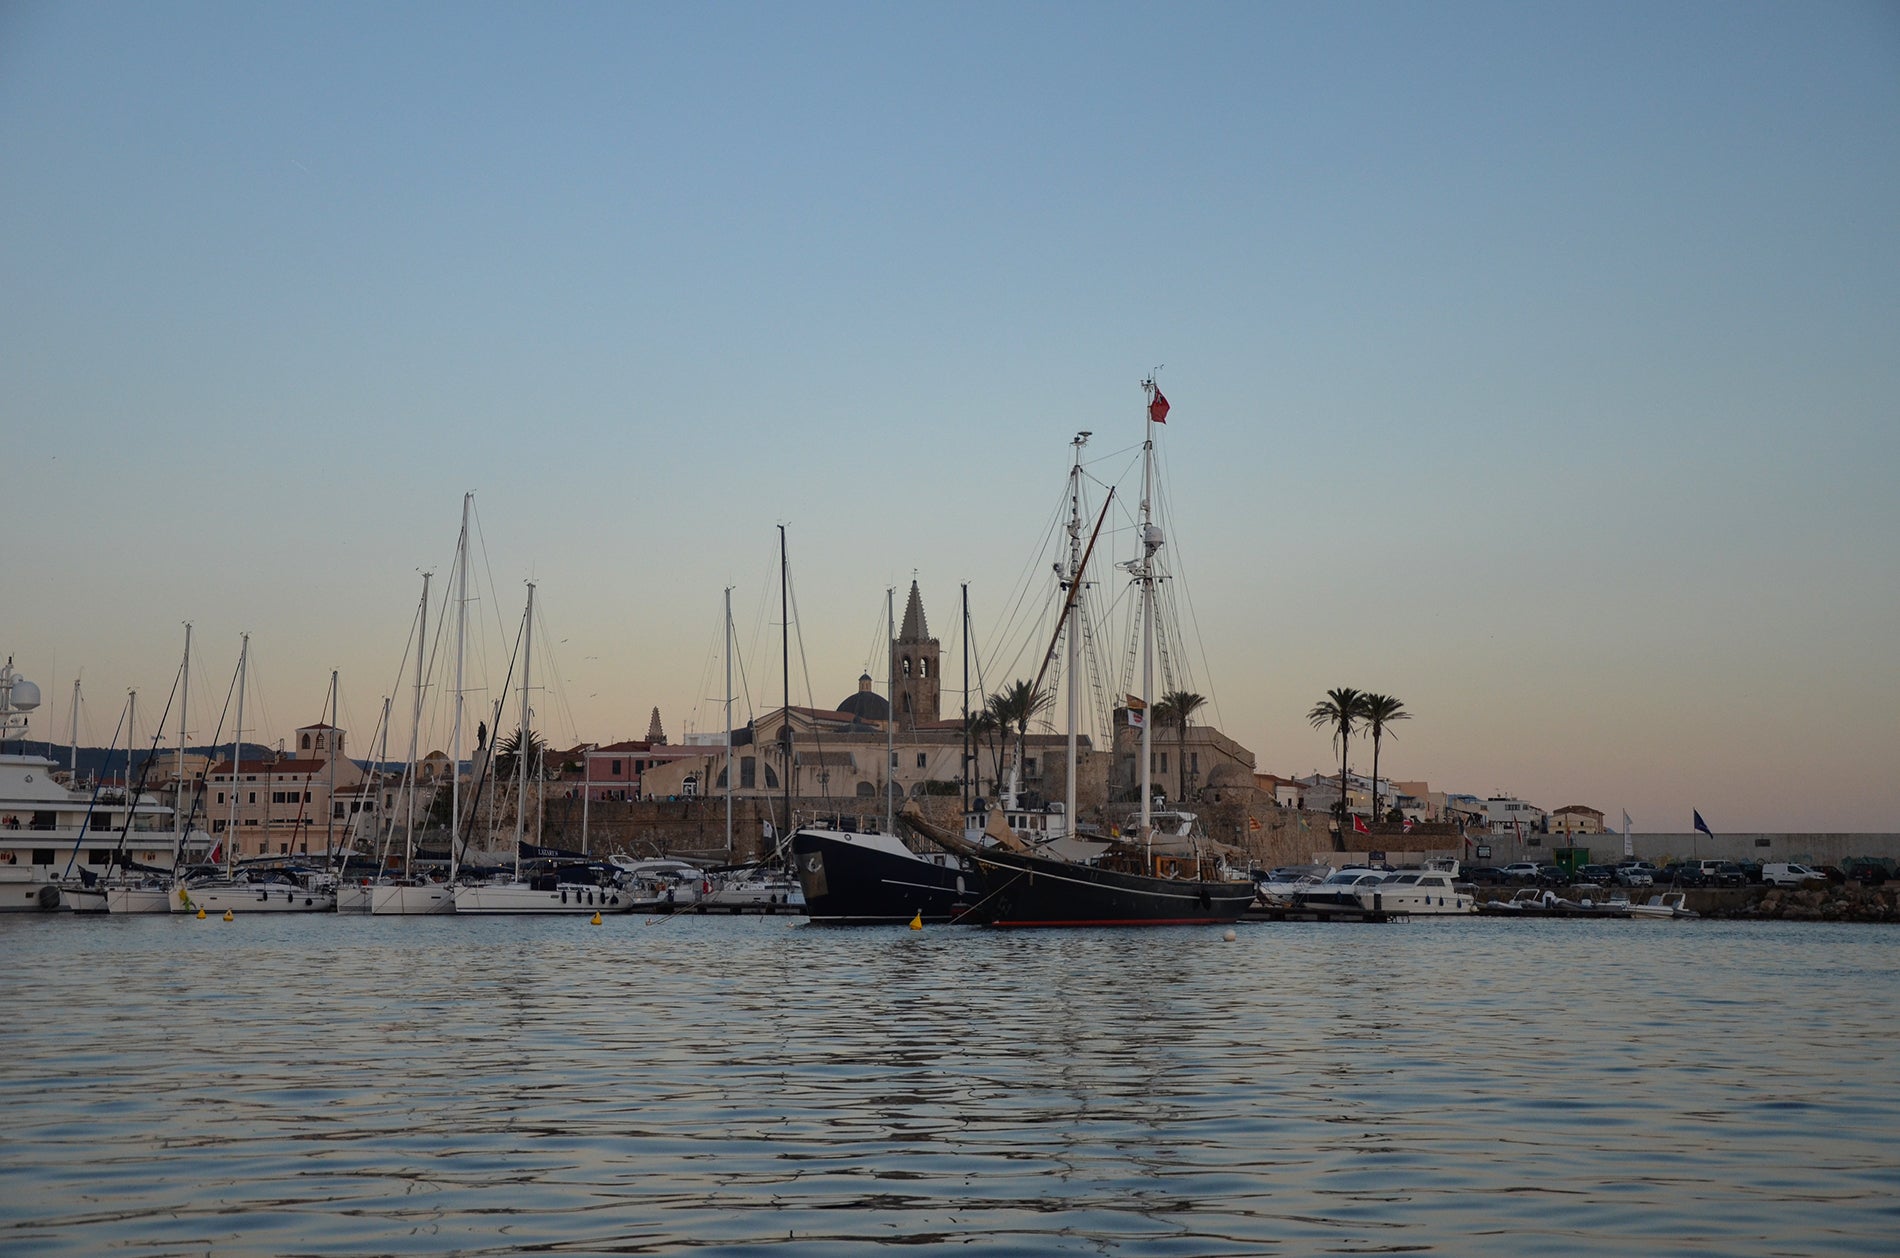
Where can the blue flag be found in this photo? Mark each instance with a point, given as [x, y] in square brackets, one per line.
[1702, 825]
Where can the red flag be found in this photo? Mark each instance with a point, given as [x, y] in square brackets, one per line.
[217, 852]
[1158, 409]
[1408, 827]
[1359, 825]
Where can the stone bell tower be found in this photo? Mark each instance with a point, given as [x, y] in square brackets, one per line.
[914, 664]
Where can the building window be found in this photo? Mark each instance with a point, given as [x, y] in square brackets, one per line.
[923, 759]
[253, 798]
[616, 768]
[1029, 766]
[748, 772]
[1194, 762]
[893, 760]
[220, 797]
[306, 742]
[923, 666]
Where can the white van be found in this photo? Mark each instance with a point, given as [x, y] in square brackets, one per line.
[1790, 875]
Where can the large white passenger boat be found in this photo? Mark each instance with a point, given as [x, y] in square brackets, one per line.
[53, 837]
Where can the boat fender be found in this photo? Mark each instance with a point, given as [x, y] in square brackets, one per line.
[49, 897]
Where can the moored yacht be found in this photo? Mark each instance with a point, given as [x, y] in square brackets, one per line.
[57, 844]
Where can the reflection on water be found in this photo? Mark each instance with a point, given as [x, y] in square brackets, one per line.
[388, 1085]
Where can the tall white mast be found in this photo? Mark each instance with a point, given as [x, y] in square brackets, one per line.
[72, 765]
[178, 801]
[455, 735]
[415, 736]
[728, 725]
[131, 737]
[329, 821]
[521, 735]
[237, 752]
[890, 717]
[1075, 609]
[1150, 542]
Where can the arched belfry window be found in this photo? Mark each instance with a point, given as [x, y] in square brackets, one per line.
[923, 666]
[306, 742]
[907, 667]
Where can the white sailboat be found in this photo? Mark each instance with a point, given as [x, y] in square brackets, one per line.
[252, 891]
[408, 894]
[546, 893]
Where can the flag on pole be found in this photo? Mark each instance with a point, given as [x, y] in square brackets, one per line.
[1137, 712]
[1253, 823]
[1158, 409]
[1702, 825]
[1407, 827]
[1359, 825]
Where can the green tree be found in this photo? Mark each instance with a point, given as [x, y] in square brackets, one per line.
[1339, 712]
[1377, 712]
[506, 767]
[1014, 707]
[1177, 708]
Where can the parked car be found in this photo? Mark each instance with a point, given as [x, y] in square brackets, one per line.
[1751, 872]
[1728, 874]
[1520, 871]
[1868, 874]
[1634, 876]
[1789, 874]
[1484, 876]
[1553, 876]
[1600, 875]
[1687, 874]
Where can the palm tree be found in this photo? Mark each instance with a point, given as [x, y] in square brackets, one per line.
[1379, 711]
[1339, 711]
[1177, 708]
[1016, 706]
[509, 747]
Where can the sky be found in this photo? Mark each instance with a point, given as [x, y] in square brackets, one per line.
[1535, 364]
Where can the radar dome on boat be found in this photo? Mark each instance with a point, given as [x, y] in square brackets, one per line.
[1152, 536]
[26, 695]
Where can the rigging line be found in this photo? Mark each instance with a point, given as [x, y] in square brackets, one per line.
[98, 785]
[217, 736]
[557, 684]
[158, 733]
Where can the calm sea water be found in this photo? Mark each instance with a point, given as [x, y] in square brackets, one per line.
[373, 1085]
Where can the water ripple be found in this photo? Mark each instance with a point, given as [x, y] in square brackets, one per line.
[488, 1087]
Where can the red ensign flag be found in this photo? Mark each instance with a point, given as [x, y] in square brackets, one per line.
[1158, 409]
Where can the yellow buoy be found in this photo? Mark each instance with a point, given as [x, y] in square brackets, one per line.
[917, 922]
[201, 915]
[595, 921]
[229, 916]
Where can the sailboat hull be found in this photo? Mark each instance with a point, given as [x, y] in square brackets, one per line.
[515, 897]
[264, 897]
[850, 880]
[408, 901]
[1031, 891]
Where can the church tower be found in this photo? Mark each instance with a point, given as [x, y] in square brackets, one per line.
[919, 697]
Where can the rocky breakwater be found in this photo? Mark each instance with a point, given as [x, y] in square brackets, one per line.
[1849, 902]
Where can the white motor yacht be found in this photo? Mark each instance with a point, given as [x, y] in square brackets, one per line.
[1417, 892]
[58, 845]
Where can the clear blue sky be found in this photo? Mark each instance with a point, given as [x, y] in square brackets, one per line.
[1534, 363]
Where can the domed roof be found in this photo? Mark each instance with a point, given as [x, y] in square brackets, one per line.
[866, 704]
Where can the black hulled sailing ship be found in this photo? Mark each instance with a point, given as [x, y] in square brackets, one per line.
[854, 879]
[1130, 884]
[1152, 879]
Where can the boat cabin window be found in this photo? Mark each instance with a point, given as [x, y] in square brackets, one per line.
[44, 821]
[102, 820]
[42, 856]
